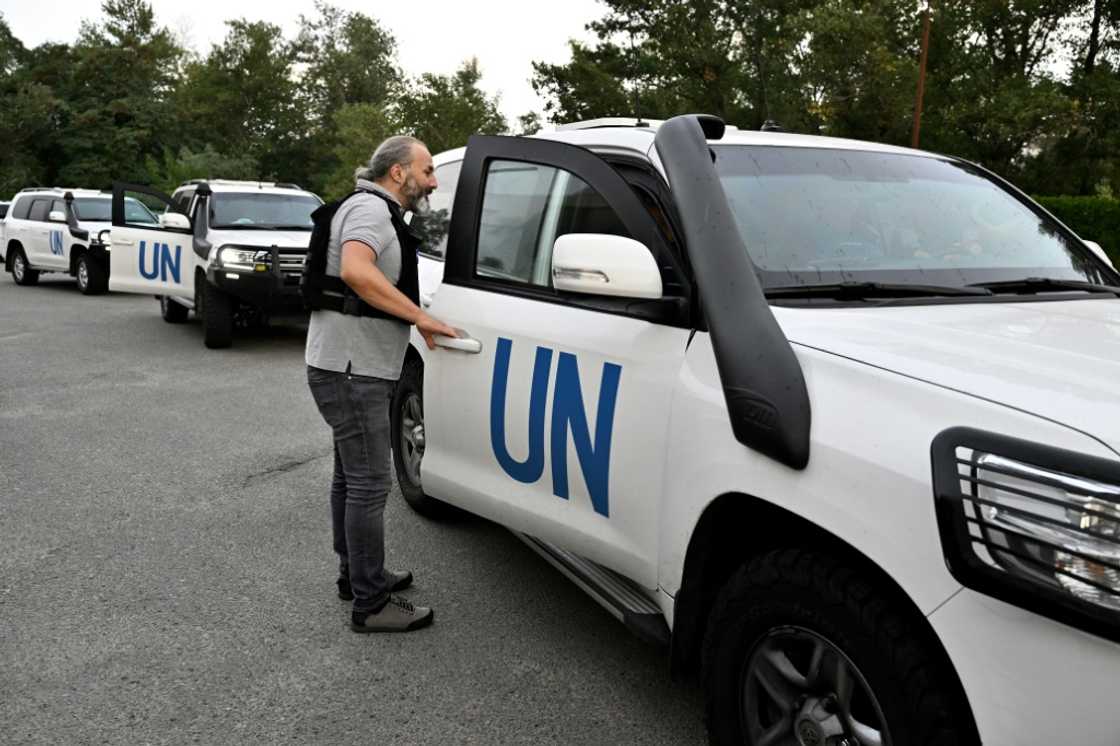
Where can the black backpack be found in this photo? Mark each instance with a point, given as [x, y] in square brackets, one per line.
[321, 291]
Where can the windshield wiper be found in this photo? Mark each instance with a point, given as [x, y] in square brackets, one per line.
[862, 290]
[1029, 285]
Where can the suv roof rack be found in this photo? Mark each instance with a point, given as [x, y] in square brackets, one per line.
[243, 183]
[627, 122]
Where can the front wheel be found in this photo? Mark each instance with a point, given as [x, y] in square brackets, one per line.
[801, 649]
[217, 317]
[21, 271]
[92, 279]
[407, 424]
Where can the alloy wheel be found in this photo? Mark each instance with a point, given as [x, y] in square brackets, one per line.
[799, 688]
[412, 436]
[18, 267]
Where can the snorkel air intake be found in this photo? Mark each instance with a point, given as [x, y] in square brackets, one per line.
[762, 381]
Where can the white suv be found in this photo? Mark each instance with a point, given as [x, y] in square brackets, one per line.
[230, 250]
[62, 230]
[838, 423]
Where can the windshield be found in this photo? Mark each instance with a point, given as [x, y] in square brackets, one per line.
[100, 210]
[811, 216]
[262, 211]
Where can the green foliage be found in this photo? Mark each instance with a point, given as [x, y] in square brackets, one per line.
[1092, 218]
[125, 102]
[359, 129]
[444, 110]
[173, 168]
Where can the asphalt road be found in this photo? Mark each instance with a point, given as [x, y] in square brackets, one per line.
[166, 573]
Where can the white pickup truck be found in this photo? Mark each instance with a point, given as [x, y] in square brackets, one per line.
[838, 423]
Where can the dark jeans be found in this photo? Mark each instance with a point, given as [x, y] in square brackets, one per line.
[357, 409]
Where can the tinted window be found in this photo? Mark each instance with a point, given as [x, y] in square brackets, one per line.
[525, 207]
[22, 208]
[181, 202]
[136, 212]
[3, 209]
[262, 211]
[58, 206]
[39, 209]
[819, 215]
[432, 226]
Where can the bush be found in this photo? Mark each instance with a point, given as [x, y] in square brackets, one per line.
[1092, 218]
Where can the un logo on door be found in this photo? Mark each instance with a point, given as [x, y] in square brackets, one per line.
[569, 418]
[56, 243]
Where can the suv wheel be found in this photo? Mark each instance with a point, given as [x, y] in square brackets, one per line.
[407, 425]
[217, 317]
[91, 277]
[801, 649]
[21, 271]
[172, 312]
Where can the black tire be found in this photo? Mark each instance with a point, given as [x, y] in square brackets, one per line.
[217, 317]
[902, 684]
[408, 402]
[21, 270]
[91, 276]
[172, 312]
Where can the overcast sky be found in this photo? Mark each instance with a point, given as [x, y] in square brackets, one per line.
[432, 35]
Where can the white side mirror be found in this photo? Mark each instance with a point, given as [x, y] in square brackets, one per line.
[175, 220]
[1099, 251]
[601, 264]
[57, 216]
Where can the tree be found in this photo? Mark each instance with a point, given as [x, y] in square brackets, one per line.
[244, 96]
[359, 129]
[115, 83]
[444, 110]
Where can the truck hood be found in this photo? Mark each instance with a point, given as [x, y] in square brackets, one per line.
[263, 239]
[1055, 359]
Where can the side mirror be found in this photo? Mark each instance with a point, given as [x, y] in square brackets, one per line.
[175, 220]
[57, 216]
[601, 264]
[1100, 252]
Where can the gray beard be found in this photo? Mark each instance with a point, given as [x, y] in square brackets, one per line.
[421, 205]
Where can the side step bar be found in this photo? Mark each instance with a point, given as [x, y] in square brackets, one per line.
[622, 597]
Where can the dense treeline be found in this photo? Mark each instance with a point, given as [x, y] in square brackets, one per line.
[1030, 88]
[127, 101]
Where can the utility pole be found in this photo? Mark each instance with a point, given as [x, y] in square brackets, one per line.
[916, 135]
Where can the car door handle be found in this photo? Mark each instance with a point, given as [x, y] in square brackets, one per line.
[462, 344]
[121, 242]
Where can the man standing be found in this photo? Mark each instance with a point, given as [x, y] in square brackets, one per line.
[354, 359]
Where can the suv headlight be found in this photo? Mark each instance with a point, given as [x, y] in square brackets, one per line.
[246, 260]
[1032, 525]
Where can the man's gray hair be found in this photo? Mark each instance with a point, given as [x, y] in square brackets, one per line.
[394, 150]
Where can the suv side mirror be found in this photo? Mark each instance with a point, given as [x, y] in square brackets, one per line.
[57, 216]
[175, 220]
[1099, 251]
[602, 264]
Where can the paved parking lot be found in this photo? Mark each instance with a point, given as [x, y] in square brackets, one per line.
[166, 574]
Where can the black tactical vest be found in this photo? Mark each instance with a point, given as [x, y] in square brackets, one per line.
[321, 291]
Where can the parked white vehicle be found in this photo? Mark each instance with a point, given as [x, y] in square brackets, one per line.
[836, 421]
[229, 250]
[62, 230]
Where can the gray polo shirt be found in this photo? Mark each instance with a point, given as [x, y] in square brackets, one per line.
[371, 347]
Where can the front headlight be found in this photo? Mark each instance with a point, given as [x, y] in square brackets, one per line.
[1056, 528]
[247, 260]
[1033, 525]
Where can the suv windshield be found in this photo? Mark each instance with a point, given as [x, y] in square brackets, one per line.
[100, 210]
[812, 216]
[262, 211]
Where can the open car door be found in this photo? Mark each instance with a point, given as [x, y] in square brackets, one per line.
[150, 257]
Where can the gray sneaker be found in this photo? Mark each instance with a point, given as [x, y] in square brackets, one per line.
[397, 615]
